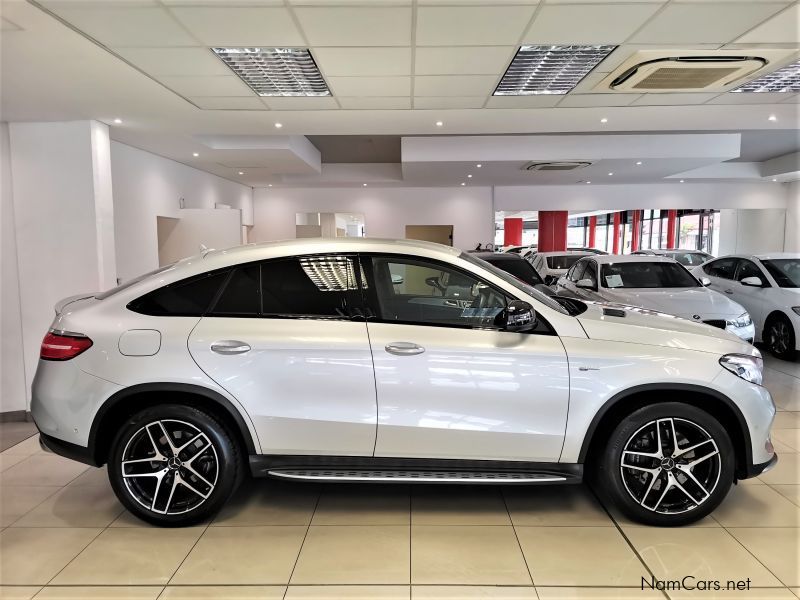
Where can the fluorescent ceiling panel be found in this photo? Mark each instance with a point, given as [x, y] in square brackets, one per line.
[785, 79]
[276, 71]
[549, 69]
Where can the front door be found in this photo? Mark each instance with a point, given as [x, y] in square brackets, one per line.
[449, 384]
[281, 340]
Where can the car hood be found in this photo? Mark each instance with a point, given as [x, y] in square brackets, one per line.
[632, 324]
[683, 302]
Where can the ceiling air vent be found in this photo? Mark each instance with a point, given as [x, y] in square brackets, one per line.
[656, 71]
[555, 166]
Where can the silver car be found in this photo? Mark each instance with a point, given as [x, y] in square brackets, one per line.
[369, 360]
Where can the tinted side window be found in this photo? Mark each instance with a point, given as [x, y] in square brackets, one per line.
[187, 298]
[748, 269]
[724, 267]
[578, 270]
[308, 286]
[591, 272]
[241, 296]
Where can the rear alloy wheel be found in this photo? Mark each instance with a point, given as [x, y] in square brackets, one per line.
[173, 465]
[669, 464]
[779, 336]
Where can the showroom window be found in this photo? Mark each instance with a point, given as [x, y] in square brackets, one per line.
[187, 298]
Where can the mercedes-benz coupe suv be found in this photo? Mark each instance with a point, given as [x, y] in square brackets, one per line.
[369, 360]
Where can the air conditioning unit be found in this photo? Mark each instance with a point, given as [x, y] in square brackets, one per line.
[555, 166]
[663, 71]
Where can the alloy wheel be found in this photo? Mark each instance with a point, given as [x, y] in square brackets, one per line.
[670, 466]
[170, 467]
[779, 336]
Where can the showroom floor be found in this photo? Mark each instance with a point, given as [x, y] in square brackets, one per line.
[65, 536]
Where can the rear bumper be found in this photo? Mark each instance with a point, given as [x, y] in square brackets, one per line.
[66, 449]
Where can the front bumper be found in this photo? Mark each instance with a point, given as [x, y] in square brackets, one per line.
[761, 468]
[746, 334]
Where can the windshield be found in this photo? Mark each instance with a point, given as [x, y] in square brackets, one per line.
[689, 259]
[563, 261]
[646, 275]
[521, 269]
[131, 282]
[517, 283]
[785, 271]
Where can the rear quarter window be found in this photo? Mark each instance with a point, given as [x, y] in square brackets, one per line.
[186, 298]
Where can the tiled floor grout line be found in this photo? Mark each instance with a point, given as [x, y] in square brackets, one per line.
[519, 543]
[197, 541]
[753, 555]
[305, 535]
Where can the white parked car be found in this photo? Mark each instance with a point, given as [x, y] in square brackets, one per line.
[768, 286]
[391, 361]
[655, 283]
[688, 258]
[552, 265]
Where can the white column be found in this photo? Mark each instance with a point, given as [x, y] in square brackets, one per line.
[792, 240]
[64, 219]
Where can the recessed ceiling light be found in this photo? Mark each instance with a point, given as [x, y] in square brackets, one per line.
[772, 118]
[195, 154]
[604, 120]
[681, 181]
[588, 182]
[439, 123]
[638, 162]
[610, 174]
[462, 183]
[276, 71]
[479, 165]
[269, 185]
[469, 176]
[549, 69]
[364, 184]
[786, 79]
[118, 121]
[278, 125]
[241, 172]
[774, 179]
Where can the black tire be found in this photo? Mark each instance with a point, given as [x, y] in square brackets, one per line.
[192, 488]
[779, 336]
[644, 488]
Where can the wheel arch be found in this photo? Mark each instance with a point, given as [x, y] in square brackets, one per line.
[131, 400]
[711, 401]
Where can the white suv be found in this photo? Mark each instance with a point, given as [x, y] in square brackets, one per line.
[370, 360]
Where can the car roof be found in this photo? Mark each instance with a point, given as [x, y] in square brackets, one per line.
[777, 255]
[666, 250]
[607, 259]
[564, 253]
[497, 256]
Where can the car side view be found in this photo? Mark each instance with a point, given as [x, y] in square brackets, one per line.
[344, 360]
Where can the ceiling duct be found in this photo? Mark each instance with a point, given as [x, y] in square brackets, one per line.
[555, 166]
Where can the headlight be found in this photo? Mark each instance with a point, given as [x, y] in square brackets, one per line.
[796, 309]
[742, 320]
[749, 368]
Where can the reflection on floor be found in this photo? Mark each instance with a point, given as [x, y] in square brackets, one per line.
[65, 536]
[13, 433]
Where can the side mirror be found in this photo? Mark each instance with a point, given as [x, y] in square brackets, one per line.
[752, 282]
[586, 284]
[517, 316]
[705, 281]
[550, 279]
[397, 279]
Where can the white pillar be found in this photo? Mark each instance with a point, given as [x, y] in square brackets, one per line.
[64, 219]
[792, 240]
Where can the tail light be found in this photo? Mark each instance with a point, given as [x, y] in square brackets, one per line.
[63, 347]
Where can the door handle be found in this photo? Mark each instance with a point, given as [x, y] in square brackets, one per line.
[230, 347]
[404, 348]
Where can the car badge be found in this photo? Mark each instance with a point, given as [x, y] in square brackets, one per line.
[696, 317]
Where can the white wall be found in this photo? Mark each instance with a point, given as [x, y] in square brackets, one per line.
[214, 228]
[751, 231]
[386, 211]
[792, 241]
[12, 367]
[147, 186]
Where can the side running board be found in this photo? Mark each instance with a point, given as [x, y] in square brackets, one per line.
[423, 476]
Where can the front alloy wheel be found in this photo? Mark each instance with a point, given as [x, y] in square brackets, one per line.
[780, 337]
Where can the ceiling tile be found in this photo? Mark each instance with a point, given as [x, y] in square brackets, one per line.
[454, 85]
[175, 61]
[228, 103]
[240, 26]
[542, 101]
[336, 62]
[301, 103]
[350, 2]
[751, 98]
[225, 85]
[795, 98]
[783, 27]
[356, 25]
[471, 25]
[367, 103]
[587, 100]
[672, 99]
[222, 2]
[449, 102]
[127, 26]
[703, 22]
[587, 24]
[463, 60]
[370, 86]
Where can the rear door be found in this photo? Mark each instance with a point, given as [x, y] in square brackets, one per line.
[287, 338]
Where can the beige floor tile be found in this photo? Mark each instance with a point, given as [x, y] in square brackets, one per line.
[751, 594]
[607, 593]
[796, 591]
[474, 554]
[760, 505]
[219, 592]
[789, 437]
[26, 447]
[9, 460]
[82, 506]
[777, 548]
[784, 389]
[34, 556]
[627, 523]
[791, 492]
[456, 592]
[348, 592]
[264, 502]
[99, 593]
[15, 501]
[705, 553]
[787, 471]
[579, 556]
[242, 555]
[568, 505]
[786, 420]
[42, 469]
[458, 505]
[92, 476]
[363, 505]
[354, 555]
[131, 556]
[20, 592]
